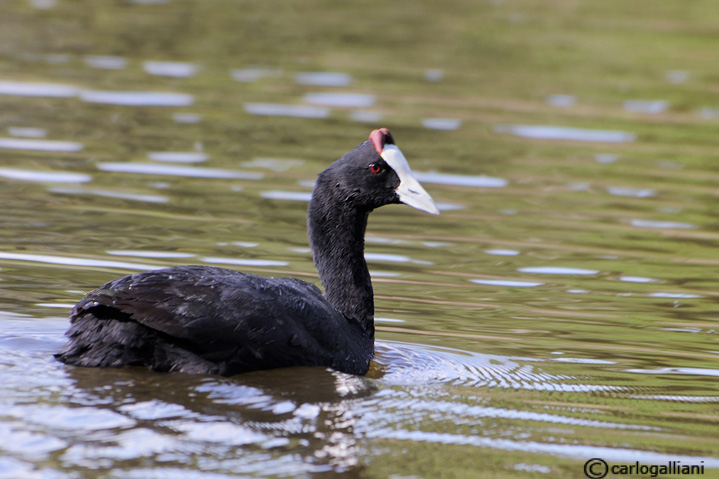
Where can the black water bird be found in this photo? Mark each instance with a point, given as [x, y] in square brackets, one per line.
[209, 320]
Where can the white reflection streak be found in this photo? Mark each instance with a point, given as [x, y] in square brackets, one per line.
[177, 170]
[441, 123]
[297, 111]
[244, 262]
[459, 180]
[44, 176]
[49, 259]
[505, 282]
[47, 90]
[557, 270]
[550, 132]
[340, 99]
[171, 69]
[178, 156]
[323, 79]
[111, 194]
[40, 145]
[139, 98]
[465, 410]
[287, 195]
[150, 254]
[616, 455]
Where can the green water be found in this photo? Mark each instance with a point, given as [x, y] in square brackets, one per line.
[561, 308]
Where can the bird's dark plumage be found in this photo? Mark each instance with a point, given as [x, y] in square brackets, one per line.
[208, 320]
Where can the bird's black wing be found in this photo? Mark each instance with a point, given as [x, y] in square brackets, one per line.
[240, 320]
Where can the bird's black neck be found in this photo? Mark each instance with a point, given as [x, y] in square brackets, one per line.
[336, 232]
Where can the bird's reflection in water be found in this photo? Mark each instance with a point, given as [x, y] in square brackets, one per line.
[293, 419]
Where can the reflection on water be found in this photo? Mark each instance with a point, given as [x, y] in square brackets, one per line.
[365, 116]
[507, 282]
[170, 69]
[460, 180]
[39, 145]
[662, 224]
[566, 133]
[561, 101]
[188, 118]
[441, 123]
[44, 176]
[145, 198]
[562, 307]
[27, 132]
[175, 170]
[635, 192]
[150, 254]
[556, 270]
[287, 195]
[50, 259]
[245, 424]
[637, 279]
[296, 111]
[253, 74]
[346, 100]
[37, 89]
[244, 261]
[502, 252]
[137, 98]
[652, 107]
[323, 79]
[105, 62]
[178, 156]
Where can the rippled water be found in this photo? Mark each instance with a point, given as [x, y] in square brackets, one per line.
[561, 308]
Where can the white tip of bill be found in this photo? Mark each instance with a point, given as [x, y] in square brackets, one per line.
[410, 192]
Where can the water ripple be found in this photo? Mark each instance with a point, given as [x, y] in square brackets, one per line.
[178, 156]
[50, 259]
[464, 413]
[44, 176]
[27, 132]
[111, 194]
[175, 170]
[340, 99]
[171, 69]
[40, 145]
[253, 74]
[296, 111]
[137, 98]
[460, 180]
[106, 62]
[662, 224]
[365, 116]
[548, 132]
[243, 261]
[287, 195]
[615, 455]
[412, 364]
[150, 254]
[323, 79]
[69, 418]
[557, 270]
[441, 123]
[651, 107]
[506, 282]
[49, 90]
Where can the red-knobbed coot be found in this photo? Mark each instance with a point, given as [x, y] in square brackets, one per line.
[208, 320]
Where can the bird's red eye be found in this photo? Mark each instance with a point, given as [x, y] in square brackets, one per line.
[375, 168]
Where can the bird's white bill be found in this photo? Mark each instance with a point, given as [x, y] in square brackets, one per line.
[409, 190]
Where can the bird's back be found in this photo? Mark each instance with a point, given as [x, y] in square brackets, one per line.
[209, 320]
